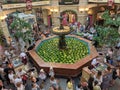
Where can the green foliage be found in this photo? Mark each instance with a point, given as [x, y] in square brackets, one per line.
[19, 25]
[107, 36]
[77, 49]
[108, 33]
[108, 21]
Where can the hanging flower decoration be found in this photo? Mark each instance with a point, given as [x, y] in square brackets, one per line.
[110, 2]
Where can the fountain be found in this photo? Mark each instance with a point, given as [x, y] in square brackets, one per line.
[67, 54]
[62, 31]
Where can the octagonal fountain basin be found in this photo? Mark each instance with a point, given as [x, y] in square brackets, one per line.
[67, 62]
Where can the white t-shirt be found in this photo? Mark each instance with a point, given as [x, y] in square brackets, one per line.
[7, 53]
[11, 77]
[22, 54]
[94, 62]
[42, 76]
[17, 80]
[100, 80]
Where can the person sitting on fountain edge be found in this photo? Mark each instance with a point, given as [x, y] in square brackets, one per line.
[94, 63]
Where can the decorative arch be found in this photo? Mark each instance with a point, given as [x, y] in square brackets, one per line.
[70, 14]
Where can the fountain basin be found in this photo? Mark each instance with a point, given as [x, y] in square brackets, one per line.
[63, 69]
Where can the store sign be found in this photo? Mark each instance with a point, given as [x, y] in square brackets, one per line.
[9, 6]
[40, 3]
[103, 1]
[97, 1]
[29, 4]
[110, 2]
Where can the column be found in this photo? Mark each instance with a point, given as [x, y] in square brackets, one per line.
[3, 25]
[45, 16]
[83, 7]
[55, 19]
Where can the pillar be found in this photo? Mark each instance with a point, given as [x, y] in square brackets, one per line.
[45, 15]
[5, 30]
[83, 6]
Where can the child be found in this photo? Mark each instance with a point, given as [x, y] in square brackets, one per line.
[51, 72]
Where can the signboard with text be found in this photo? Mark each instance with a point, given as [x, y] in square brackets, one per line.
[103, 1]
[10, 6]
[98, 1]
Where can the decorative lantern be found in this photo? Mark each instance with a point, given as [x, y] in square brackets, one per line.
[110, 2]
[29, 4]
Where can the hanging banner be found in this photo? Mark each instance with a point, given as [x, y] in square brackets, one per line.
[29, 4]
[110, 2]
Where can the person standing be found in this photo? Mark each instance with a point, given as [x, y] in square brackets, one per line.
[23, 56]
[51, 72]
[99, 78]
[96, 86]
[69, 84]
[42, 75]
[90, 83]
[54, 83]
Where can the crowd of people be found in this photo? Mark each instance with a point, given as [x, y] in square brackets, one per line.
[24, 78]
[31, 79]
